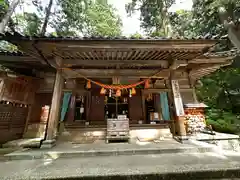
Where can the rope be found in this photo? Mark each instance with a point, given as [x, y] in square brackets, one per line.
[106, 86]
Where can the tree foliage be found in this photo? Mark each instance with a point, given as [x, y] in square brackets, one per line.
[220, 90]
[102, 20]
[207, 18]
[153, 15]
[69, 18]
[28, 23]
[87, 18]
[183, 24]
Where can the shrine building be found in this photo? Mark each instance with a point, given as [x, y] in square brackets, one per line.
[66, 89]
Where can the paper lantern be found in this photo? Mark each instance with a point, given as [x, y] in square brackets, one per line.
[103, 91]
[118, 93]
[133, 91]
[146, 86]
[88, 85]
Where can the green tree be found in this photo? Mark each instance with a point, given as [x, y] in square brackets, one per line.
[28, 23]
[183, 23]
[154, 15]
[87, 18]
[220, 89]
[207, 16]
[102, 21]
[7, 11]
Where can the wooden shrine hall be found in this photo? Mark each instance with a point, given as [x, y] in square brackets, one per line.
[76, 84]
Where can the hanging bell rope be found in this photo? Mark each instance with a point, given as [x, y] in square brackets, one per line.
[146, 86]
[118, 93]
[103, 91]
[88, 85]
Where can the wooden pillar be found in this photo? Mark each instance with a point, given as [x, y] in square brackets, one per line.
[29, 115]
[179, 111]
[143, 107]
[54, 114]
[1, 88]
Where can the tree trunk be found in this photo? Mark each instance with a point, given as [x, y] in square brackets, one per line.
[48, 12]
[231, 27]
[8, 15]
[166, 21]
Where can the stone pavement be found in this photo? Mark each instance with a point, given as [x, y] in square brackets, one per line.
[163, 160]
[160, 166]
[99, 148]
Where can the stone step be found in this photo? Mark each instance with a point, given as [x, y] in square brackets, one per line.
[49, 154]
[23, 143]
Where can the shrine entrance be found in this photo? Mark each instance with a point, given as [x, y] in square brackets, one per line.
[115, 106]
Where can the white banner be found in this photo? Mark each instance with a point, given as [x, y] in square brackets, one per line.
[177, 98]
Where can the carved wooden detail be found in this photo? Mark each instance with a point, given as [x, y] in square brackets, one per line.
[12, 122]
[18, 89]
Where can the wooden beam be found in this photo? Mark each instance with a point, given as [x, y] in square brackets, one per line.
[30, 49]
[119, 68]
[6, 58]
[211, 60]
[157, 90]
[121, 73]
[175, 64]
[18, 65]
[96, 62]
[128, 44]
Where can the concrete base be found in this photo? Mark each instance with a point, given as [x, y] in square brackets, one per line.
[47, 144]
[23, 143]
[89, 135]
[182, 139]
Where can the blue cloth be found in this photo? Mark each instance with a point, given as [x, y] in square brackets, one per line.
[164, 106]
[65, 103]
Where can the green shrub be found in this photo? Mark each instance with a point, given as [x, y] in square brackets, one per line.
[222, 121]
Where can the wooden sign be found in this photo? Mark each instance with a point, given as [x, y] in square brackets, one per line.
[177, 98]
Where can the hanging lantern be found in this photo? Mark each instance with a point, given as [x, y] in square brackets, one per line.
[146, 86]
[130, 93]
[88, 85]
[133, 91]
[149, 97]
[110, 93]
[103, 91]
[118, 93]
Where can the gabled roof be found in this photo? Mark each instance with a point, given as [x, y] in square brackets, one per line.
[108, 52]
